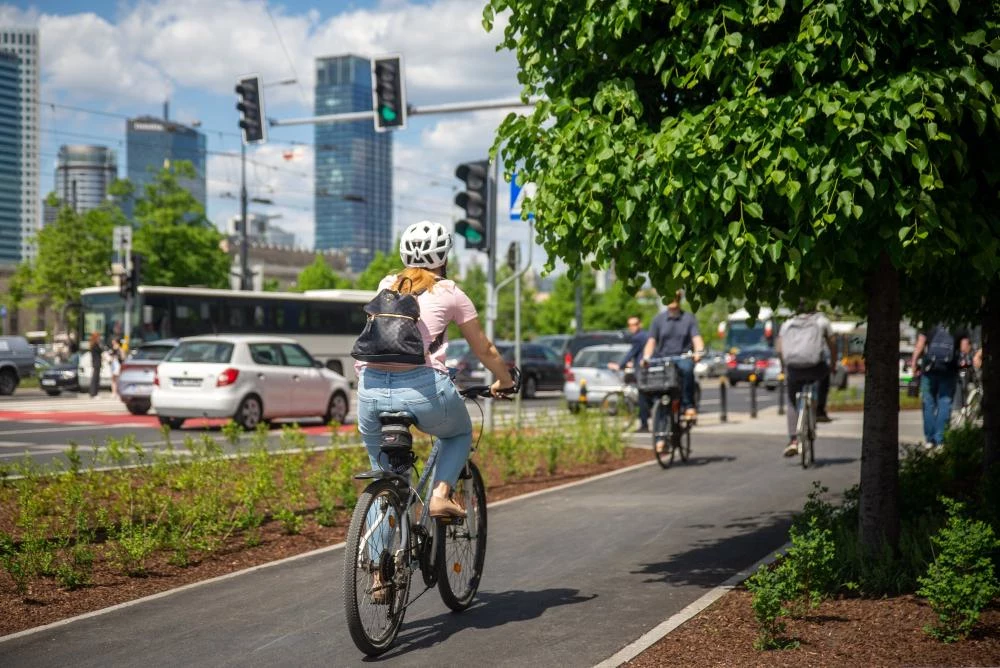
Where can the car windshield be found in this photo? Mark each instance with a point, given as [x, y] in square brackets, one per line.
[457, 349]
[586, 340]
[151, 353]
[206, 352]
[595, 359]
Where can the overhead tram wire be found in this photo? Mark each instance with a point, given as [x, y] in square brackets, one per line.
[291, 64]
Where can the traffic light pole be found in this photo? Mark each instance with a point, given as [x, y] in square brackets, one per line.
[491, 281]
[127, 324]
[245, 283]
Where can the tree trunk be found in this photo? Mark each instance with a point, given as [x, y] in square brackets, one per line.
[879, 503]
[991, 379]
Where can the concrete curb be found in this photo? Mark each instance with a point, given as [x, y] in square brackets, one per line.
[654, 635]
[304, 555]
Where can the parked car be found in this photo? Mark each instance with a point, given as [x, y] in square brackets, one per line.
[62, 377]
[591, 365]
[248, 378]
[454, 353]
[17, 361]
[772, 373]
[712, 365]
[557, 342]
[135, 384]
[752, 360]
[541, 368]
[580, 341]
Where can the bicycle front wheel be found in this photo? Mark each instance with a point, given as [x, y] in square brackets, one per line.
[663, 433]
[376, 575]
[685, 448]
[462, 547]
[617, 404]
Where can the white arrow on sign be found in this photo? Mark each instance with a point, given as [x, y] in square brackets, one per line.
[517, 196]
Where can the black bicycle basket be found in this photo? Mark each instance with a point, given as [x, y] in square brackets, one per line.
[659, 377]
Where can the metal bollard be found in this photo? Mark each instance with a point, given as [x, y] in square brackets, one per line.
[722, 399]
[753, 395]
[781, 394]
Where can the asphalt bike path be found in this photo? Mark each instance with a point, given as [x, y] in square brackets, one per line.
[571, 576]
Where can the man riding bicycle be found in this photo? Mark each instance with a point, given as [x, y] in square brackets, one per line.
[673, 333]
[800, 348]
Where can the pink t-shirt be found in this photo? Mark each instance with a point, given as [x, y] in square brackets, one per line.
[443, 304]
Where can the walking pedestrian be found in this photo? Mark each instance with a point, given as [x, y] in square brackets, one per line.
[938, 350]
[632, 359]
[96, 350]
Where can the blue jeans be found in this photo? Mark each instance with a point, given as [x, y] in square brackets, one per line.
[432, 399]
[937, 389]
[685, 365]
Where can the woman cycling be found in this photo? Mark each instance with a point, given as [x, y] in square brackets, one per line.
[426, 391]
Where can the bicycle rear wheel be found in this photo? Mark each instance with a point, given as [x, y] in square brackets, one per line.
[685, 447]
[376, 575]
[807, 427]
[663, 431]
[462, 547]
[618, 404]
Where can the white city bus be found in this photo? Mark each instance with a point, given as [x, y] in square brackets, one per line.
[325, 322]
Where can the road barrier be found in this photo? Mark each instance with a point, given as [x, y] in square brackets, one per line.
[753, 395]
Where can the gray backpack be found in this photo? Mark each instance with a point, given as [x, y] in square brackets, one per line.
[802, 341]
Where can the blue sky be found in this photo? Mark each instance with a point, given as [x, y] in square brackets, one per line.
[104, 60]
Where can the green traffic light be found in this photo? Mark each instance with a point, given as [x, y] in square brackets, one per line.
[388, 114]
[472, 236]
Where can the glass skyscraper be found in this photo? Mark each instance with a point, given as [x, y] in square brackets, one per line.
[353, 199]
[152, 143]
[83, 174]
[23, 43]
[11, 181]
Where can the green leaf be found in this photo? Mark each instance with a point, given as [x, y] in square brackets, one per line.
[754, 210]
[778, 176]
[605, 154]
[954, 4]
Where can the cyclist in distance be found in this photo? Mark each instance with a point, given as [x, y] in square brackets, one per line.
[425, 390]
[631, 358]
[672, 333]
[800, 344]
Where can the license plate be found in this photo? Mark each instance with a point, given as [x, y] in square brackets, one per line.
[745, 367]
[187, 382]
[47, 381]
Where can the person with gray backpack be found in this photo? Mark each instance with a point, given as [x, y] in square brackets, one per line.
[939, 349]
[801, 342]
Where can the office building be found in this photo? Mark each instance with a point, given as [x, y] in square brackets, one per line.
[153, 143]
[353, 163]
[83, 175]
[11, 181]
[23, 43]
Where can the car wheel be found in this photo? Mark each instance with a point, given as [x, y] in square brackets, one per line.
[8, 382]
[137, 407]
[173, 423]
[52, 393]
[336, 410]
[530, 387]
[732, 382]
[250, 413]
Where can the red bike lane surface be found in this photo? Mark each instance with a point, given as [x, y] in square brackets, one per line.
[88, 418]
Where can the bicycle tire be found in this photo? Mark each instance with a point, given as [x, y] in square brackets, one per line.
[807, 432]
[616, 404]
[662, 430]
[374, 626]
[462, 547]
[686, 443]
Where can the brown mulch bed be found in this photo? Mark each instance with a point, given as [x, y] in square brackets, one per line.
[47, 602]
[843, 632]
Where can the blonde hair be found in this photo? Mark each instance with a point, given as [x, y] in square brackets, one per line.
[415, 279]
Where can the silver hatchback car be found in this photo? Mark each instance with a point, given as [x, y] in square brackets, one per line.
[248, 378]
[135, 383]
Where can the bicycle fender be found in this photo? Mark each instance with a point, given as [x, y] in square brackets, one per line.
[383, 475]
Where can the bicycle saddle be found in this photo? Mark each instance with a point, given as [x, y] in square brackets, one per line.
[397, 417]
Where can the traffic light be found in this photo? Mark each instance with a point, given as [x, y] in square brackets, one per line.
[474, 226]
[251, 108]
[128, 282]
[388, 93]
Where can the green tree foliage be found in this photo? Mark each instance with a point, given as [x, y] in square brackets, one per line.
[74, 252]
[180, 245]
[320, 276]
[767, 150]
[557, 314]
[381, 266]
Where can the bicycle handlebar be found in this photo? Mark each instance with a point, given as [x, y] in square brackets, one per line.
[484, 390]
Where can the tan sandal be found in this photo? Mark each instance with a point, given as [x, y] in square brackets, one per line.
[441, 507]
[661, 447]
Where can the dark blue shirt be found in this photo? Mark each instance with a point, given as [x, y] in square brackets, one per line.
[674, 334]
[634, 353]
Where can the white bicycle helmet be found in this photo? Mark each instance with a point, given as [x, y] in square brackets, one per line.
[425, 244]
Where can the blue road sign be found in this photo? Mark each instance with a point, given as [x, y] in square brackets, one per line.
[517, 195]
